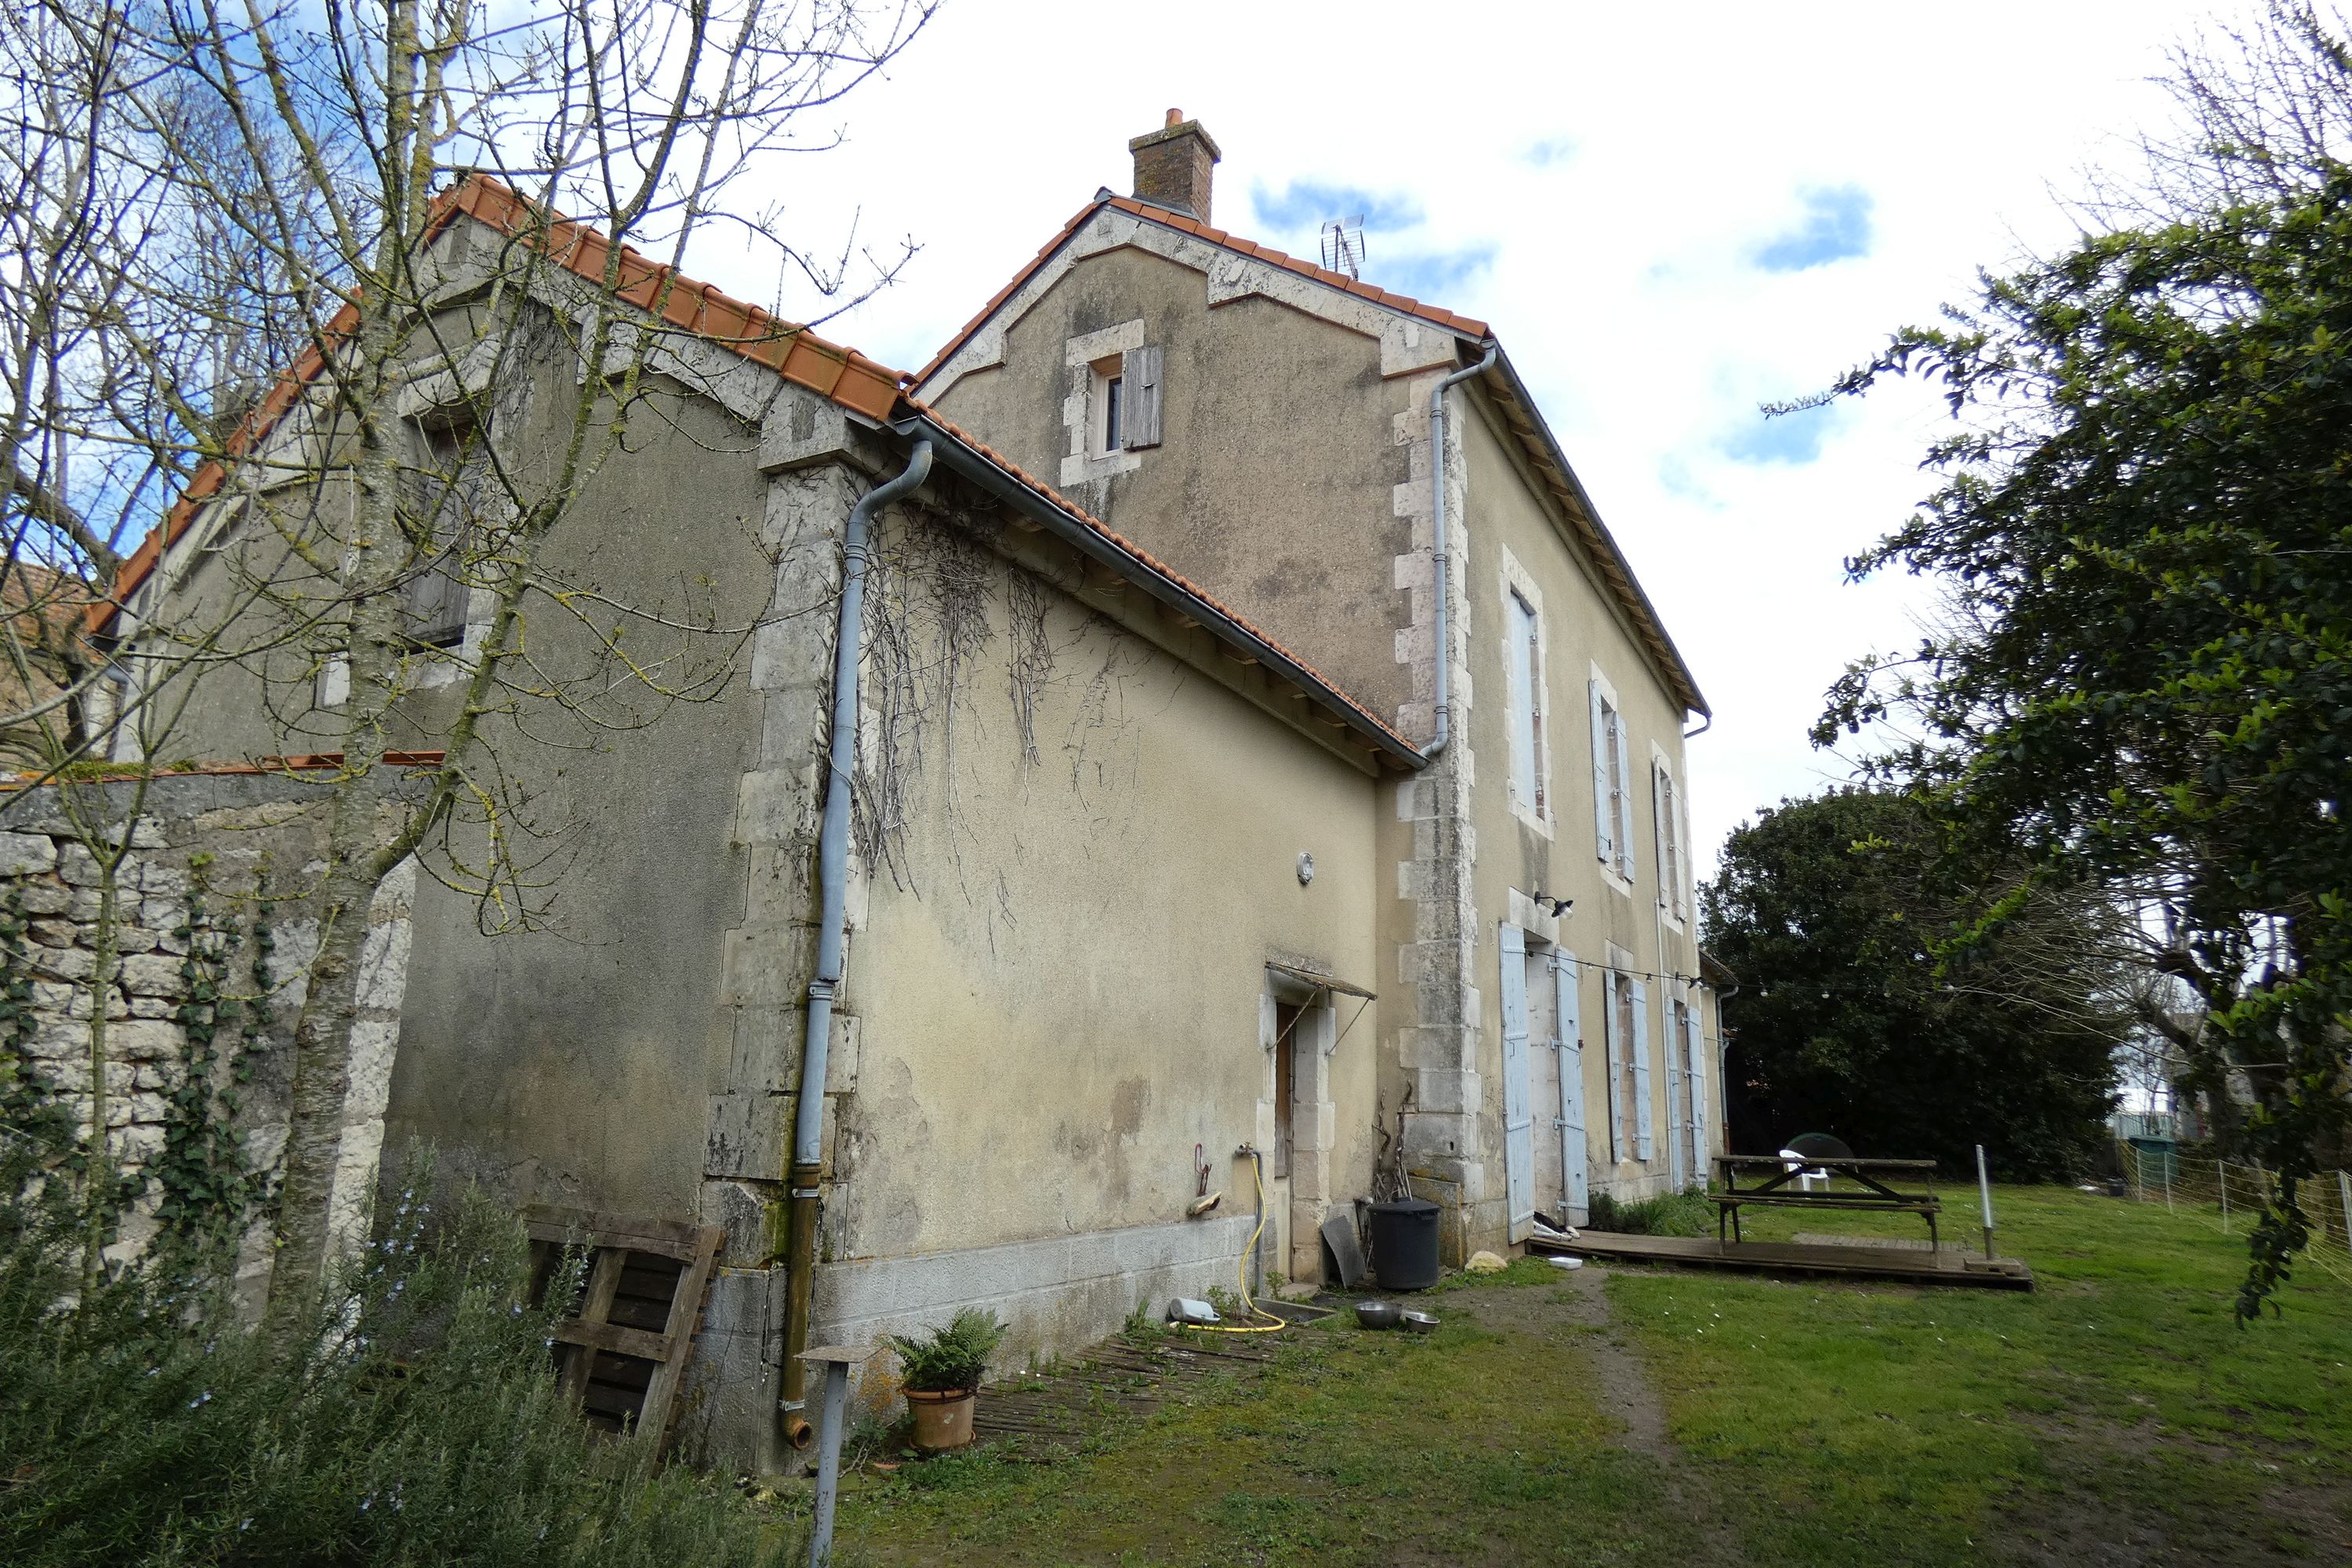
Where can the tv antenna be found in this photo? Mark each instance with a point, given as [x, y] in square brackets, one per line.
[1343, 245]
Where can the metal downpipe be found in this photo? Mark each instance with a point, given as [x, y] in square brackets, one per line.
[1438, 540]
[833, 875]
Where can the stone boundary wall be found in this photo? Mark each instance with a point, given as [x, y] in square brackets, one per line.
[223, 865]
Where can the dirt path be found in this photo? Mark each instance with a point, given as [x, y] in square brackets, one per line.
[1622, 1388]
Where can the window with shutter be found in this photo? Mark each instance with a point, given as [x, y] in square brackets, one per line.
[1139, 394]
[445, 493]
[1642, 1149]
[1527, 785]
[1575, 1179]
[1694, 1071]
[1666, 818]
[1621, 757]
[1613, 1034]
[1604, 805]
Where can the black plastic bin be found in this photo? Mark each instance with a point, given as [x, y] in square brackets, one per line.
[1404, 1244]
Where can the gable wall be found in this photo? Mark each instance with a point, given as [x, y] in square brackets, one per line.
[1307, 550]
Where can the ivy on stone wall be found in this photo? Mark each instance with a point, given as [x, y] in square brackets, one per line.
[29, 1107]
[208, 1184]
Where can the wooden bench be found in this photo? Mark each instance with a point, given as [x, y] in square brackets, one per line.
[1873, 1175]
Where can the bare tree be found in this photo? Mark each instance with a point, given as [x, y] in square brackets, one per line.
[353, 302]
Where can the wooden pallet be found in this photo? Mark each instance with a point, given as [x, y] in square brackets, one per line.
[1859, 1260]
[622, 1356]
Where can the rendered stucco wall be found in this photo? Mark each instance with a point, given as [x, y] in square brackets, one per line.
[1512, 539]
[1058, 983]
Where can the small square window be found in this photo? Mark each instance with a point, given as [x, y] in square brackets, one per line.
[1112, 435]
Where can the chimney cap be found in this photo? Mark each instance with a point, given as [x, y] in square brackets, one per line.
[1175, 128]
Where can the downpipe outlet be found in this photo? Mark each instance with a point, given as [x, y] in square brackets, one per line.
[807, 1173]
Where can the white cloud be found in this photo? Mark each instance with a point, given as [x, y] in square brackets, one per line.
[1619, 169]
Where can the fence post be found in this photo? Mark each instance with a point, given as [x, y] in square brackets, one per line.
[2344, 1205]
[2222, 1170]
[2168, 1181]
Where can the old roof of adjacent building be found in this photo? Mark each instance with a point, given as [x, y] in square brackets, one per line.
[841, 375]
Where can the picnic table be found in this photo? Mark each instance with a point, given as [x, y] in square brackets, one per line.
[1870, 1176]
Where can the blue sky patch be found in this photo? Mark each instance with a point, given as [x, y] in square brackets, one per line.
[1836, 227]
[1792, 438]
[1430, 277]
[1308, 205]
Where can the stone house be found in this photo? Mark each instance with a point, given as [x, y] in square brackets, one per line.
[1165, 874]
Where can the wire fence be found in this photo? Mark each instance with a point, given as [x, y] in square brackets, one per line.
[2232, 1194]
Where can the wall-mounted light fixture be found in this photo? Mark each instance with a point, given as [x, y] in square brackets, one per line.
[1560, 907]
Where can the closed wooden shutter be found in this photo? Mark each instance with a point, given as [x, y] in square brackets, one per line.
[1612, 1036]
[1642, 1147]
[1694, 1064]
[1662, 808]
[1572, 1157]
[1139, 370]
[1519, 1112]
[1625, 860]
[1604, 813]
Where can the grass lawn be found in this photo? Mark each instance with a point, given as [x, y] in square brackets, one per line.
[2115, 1415]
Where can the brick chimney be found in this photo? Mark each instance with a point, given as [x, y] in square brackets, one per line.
[1173, 166]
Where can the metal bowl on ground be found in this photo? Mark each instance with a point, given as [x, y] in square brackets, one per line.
[1420, 1322]
[1379, 1314]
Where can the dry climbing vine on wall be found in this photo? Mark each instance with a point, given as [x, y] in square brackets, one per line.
[930, 586]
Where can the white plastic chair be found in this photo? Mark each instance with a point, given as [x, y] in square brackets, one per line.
[1805, 1179]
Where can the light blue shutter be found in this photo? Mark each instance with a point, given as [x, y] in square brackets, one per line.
[1625, 799]
[1643, 1148]
[1574, 1180]
[1519, 1114]
[1612, 1036]
[1522, 698]
[1694, 1058]
[1605, 811]
[1670, 1051]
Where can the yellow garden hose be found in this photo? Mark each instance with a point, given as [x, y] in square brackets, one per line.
[1269, 1323]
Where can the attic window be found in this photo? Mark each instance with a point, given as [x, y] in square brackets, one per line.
[1111, 387]
[447, 493]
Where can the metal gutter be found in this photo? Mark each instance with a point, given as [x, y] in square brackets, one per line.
[833, 881]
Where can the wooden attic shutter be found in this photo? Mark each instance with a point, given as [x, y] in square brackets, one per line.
[1139, 375]
[437, 599]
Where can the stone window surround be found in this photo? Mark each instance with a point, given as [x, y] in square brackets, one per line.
[1516, 583]
[1091, 358]
[1611, 871]
[1672, 891]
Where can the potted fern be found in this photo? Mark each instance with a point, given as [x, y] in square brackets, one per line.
[941, 1375]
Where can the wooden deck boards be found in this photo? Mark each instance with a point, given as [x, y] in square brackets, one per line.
[1859, 1260]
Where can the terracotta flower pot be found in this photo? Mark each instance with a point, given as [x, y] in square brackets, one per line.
[942, 1421]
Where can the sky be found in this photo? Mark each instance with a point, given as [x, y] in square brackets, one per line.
[1668, 214]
